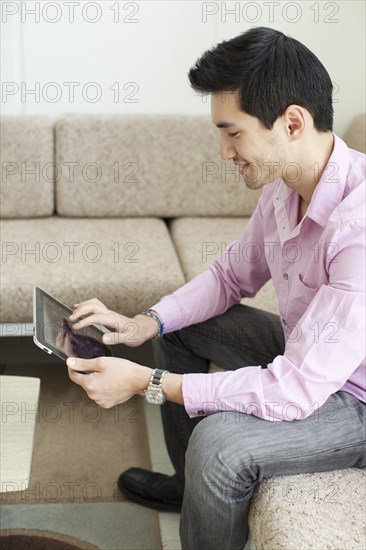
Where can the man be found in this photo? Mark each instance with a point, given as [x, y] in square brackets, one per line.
[292, 397]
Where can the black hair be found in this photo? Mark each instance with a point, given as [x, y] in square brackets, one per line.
[270, 71]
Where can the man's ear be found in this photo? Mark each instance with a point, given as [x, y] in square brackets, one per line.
[295, 120]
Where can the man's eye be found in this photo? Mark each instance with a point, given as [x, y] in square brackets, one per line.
[235, 134]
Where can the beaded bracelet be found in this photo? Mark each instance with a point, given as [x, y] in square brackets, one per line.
[157, 319]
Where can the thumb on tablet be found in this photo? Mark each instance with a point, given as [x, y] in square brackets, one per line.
[81, 365]
[112, 338]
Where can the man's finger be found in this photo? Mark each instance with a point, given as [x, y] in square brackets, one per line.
[77, 377]
[84, 366]
[112, 338]
[105, 319]
[84, 310]
[129, 335]
[93, 319]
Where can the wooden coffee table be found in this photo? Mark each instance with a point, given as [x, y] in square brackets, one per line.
[19, 403]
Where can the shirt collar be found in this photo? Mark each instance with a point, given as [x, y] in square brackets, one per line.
[330, 188]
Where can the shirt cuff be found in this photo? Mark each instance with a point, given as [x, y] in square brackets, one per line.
[197, 394]
[170, 313]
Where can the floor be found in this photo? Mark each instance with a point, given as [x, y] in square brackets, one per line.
[169, 523]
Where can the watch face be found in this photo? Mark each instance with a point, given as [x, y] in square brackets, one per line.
[154, 397]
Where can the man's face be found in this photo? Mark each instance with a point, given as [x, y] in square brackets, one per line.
[260, 153]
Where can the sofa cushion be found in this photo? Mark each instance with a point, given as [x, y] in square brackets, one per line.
[199, 241]
[27, 183]
[127, 264]
[310, 511]
[150, 165]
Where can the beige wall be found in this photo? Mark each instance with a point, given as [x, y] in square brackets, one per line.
[145, 51]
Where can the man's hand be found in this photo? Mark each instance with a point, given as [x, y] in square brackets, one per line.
[110, 380]
[126, 330]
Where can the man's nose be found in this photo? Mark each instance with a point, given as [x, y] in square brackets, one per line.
[227, 151]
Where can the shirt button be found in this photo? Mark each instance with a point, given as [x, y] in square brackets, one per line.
[201, 412]
[285, 276]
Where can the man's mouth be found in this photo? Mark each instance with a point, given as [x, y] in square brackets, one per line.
[243, 168]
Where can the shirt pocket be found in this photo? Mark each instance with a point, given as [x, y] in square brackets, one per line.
[300, 296]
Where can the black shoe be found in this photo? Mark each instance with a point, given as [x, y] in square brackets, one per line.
[157, 491]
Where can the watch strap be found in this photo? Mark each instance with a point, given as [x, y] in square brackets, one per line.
[157, 377]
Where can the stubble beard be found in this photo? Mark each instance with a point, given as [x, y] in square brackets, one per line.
[266, 169]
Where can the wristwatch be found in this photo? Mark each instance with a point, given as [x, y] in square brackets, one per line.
[154, 392]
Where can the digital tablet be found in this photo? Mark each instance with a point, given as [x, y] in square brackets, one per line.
[52, 330]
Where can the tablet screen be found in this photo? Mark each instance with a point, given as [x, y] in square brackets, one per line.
[54, 330]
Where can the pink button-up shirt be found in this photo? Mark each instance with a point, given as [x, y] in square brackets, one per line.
[318, 270]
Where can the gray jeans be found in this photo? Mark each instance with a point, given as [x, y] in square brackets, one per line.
[220, 459]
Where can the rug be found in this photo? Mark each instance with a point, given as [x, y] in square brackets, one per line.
[23, 539]
[79, 449]
[103, 525]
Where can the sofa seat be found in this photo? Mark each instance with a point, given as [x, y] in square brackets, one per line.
[199, 241]
[324, 510]
[127, 263]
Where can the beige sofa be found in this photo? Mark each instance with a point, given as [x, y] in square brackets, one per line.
[126, 209]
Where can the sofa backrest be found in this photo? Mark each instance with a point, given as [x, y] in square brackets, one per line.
[27, 167]
[145, 165]
[355, 136]
[112, 166]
